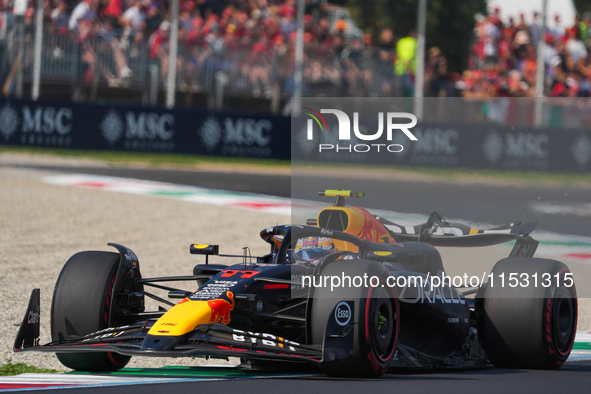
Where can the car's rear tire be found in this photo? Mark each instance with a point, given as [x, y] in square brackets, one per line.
[80, 306]
[527, 326]
[375, 317]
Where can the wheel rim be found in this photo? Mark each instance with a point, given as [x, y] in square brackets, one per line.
[116, 359]
[383, 326]
[563, 326]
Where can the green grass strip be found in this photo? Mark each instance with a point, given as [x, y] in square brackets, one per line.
[149, 159]
[582, 346]
[9, 368]
[191, 161]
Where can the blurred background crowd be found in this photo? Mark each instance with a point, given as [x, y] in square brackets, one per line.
[248, 45]
[504, 57]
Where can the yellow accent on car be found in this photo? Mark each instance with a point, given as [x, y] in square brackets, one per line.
[200, 246]
[473, 231]
[382, 253]
[182, 318]
[342, 193]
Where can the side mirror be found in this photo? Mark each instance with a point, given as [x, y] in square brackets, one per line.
[205, 249]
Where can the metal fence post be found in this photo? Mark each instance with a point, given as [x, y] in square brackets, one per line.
[174, 33]
[299, 61]
[154, 85]
[221, 80]
[541, 70]
[18, 89]
[420, 65]
[38, 46]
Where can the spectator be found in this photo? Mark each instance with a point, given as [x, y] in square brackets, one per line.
[405, 65]
[113, 9]
[353, 68]
[153, 18]
[557, 30]
[387, 41]
[133, 22]
[79, 25]
[159, 48]
[550, 55]
[387, 45]
[109, 37]
[490, 37]
[82, 17]
[436, 74]
[60, 18]
[535, 30]
[521, 43]
[506, 60]
[584, 26]
[574, 46]
[288, 21]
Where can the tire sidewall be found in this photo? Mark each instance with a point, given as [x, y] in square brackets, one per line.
[81, 305]
[520, 327]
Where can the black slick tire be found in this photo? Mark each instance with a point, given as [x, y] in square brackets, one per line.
[80, 306]
[529, 327]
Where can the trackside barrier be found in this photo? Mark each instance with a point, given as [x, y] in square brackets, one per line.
[479, 146]
[235, 134]
[141, 129]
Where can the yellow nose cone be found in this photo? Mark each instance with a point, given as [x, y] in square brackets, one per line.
[187, 314]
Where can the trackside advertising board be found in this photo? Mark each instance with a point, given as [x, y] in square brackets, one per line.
[320, 133]
[141, 129]
[386, 132]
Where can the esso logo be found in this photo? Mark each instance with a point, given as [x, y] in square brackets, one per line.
[342, 313]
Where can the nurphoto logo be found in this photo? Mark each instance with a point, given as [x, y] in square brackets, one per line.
[344, 130]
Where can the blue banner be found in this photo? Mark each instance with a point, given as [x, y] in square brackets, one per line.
[234, 134]
[141, 129]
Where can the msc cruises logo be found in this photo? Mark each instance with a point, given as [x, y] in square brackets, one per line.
[392, 124]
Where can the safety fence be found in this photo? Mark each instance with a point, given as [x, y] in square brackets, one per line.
[209, 66]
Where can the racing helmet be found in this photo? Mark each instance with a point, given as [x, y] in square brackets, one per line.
[310, 250]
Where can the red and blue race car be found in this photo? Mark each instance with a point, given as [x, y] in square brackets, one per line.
[349, 293]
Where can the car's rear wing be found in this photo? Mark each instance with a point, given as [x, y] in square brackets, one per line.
[438, 232]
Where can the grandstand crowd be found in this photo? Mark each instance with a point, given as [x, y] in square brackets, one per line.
[504, 57]
[253, 41]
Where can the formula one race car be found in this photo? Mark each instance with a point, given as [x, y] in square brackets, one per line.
[351, 293]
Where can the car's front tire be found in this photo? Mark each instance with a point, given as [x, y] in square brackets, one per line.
[81, 304]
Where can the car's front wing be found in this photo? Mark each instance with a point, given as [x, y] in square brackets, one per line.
[205, 340]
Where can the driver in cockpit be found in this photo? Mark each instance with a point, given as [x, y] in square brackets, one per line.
[310, 250]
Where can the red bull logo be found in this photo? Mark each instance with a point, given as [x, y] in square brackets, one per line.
[371, 229]
[220, 309]
[188, 314]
